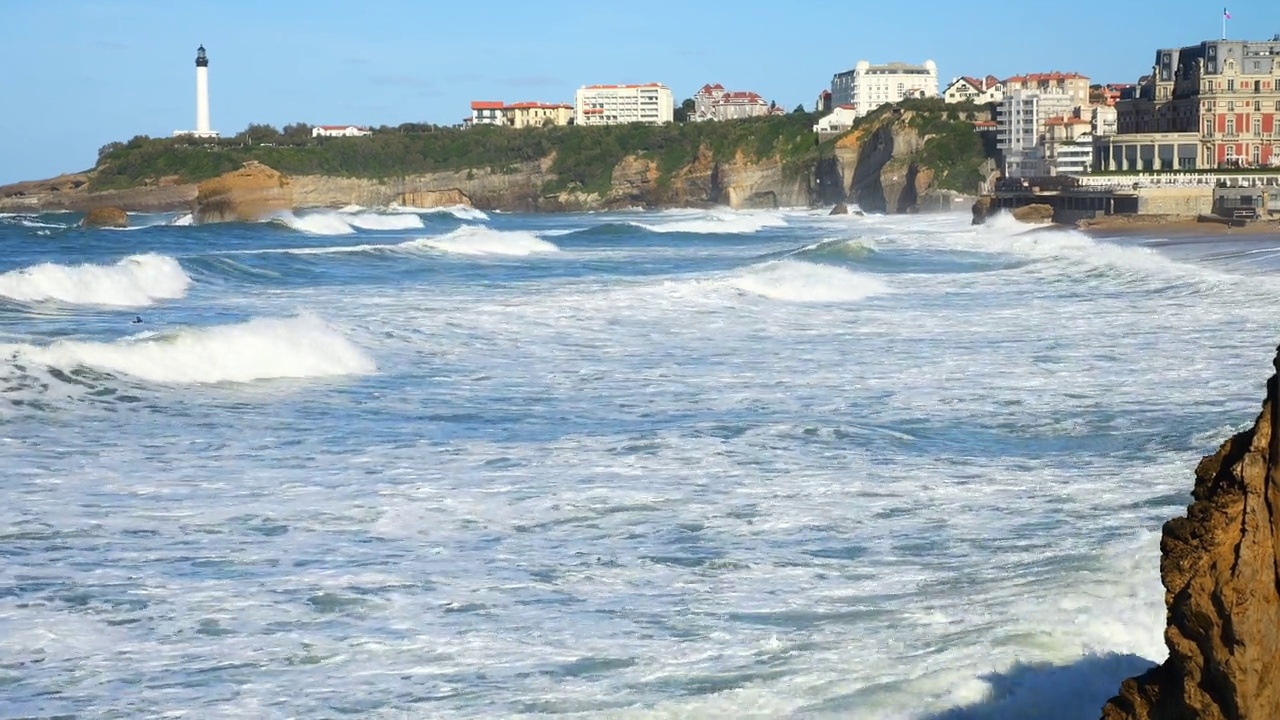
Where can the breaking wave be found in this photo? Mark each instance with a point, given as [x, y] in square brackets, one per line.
[135, 281]
[731, 223]
[340, 223]
[260, 349]
[461, 212]
[479, 240]
[805, 282]
[467, 240]
[846, 250]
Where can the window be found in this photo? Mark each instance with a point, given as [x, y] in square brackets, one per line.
[1257, 155]
[1231, 104]
[1231, 84]
[1231, 126]
[1257, 105]
[1208, 157]
[1231, 152]
[1257, 126]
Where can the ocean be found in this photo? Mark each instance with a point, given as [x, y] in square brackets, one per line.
[454, 464]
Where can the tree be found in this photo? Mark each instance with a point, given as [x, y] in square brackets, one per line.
[686, 110]
[109, 148]
[257, 133]
[799, 110]
[297, 131]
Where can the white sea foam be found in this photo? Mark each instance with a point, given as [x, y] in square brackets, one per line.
[321, 223]
[733, 223]
[806, 282]
[479, 240]
[184, 220]
[263, 348]
[461, 212]
[135, 281]
[376, 221]
[329, 222]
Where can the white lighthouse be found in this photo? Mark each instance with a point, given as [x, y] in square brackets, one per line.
[202, 99]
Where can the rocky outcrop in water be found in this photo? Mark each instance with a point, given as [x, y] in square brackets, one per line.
[251, 193]
[1220, 566]
[983, 208]
[1035, 213]
[112, 217]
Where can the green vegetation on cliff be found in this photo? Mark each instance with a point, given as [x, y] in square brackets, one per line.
[583, 156]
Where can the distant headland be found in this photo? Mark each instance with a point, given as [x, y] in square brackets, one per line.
[910, 156]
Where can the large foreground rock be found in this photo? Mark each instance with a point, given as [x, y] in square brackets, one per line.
[112, 217]
[1034, 213]
[1221, 572]
[251, 193]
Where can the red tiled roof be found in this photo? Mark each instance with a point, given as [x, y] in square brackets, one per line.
[1046, 77]
[486, 105]
[538, 106]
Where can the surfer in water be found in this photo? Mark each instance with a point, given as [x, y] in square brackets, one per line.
[137, 319]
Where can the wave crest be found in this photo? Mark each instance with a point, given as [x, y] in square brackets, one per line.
[805, 282]
[135, 281]
[479, 240]
[343, 223]
[725, 223]
[260, 349]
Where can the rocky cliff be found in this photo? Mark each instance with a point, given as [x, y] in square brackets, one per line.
[886, 166]
[251, 193]
[1220, 566]
[890, 162]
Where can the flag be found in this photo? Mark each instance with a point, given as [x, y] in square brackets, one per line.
[1226, 14]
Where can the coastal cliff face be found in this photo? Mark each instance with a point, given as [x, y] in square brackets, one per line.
[884, 165]
[883, 168]
[250, 193]
[1220, 566]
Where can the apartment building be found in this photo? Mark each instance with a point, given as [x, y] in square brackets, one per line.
[1056, 83]
[536, 114]
[518, 115]
[867, 87]
[1021, 134]
[618, 104]
[1206, 106]
[486, 112]
[1068, 145]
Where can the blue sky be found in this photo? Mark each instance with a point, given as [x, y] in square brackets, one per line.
[81, 73]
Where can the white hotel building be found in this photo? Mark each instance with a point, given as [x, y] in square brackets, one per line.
[867, 87]
[618, 104]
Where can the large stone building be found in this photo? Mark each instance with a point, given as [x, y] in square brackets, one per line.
[618, 104]
[713, 102]
[867, 87]
[1206, 106]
